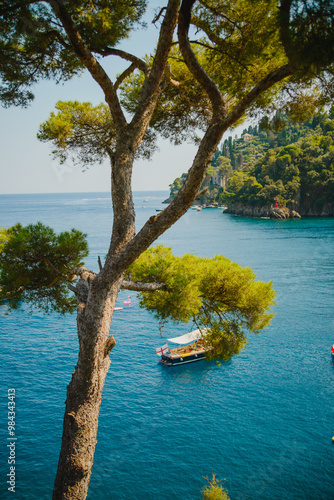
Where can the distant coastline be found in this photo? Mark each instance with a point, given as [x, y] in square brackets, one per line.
[276, 169]
[281, 212]
[271, 212]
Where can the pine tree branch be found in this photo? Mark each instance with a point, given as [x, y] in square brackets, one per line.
[267, 82]
[109, 345]
[138, 286]
[84, 273]
[124, 75]
[72, 288]
[157, 17]
[89, 61]
[152, 85]
[215, 96]
[139, 63]
[170, 79]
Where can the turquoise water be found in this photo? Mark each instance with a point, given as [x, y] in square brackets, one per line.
[264, 421]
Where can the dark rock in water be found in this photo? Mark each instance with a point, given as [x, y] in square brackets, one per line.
[295, 215]
[283, 213]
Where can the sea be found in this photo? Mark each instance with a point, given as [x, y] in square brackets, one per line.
[262, 423]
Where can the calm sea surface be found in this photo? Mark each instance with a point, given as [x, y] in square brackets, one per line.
[264, 421]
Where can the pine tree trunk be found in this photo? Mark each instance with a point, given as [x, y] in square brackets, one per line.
[96, 296]
[84, 396]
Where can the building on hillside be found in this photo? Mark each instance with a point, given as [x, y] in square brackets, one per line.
[246, 137]
[218, 179]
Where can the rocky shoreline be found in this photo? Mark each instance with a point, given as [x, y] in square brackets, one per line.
[271, 212]
[268, 212]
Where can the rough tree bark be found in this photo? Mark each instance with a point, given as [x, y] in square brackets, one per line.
[84, 393]
[97, 293]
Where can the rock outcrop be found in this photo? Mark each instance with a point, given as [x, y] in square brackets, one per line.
[325, 210]
[267, 211]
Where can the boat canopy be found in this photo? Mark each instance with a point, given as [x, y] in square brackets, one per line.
[188, 337]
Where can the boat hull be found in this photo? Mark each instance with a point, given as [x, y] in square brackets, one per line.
[168, 360]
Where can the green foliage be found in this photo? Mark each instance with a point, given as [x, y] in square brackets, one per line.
[214, 491]
[182, 298]
[301, 174]
[36, 265]
[81, 129]
[176, 185]
[4, 237]
[34, 45]
[84, 133]
[293, 161]
[243, 38]
[216, 294]
[240, 36]
[308, 36]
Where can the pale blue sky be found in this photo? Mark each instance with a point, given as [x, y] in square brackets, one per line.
[26, 165]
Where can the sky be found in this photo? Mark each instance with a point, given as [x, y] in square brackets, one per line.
[26, 164]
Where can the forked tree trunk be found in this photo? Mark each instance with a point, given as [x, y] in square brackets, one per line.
[96, 297]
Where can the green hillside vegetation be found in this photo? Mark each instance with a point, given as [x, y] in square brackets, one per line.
[276, 160]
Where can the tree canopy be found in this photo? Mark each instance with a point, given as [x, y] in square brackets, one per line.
[85, 134]
[34, 44]
[216, 294]
[36, 266]
[307, 32]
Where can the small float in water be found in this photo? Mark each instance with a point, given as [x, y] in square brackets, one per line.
[190, 349]
[333, 351]
[127, 302]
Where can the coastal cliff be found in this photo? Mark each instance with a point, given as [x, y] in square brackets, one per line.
[268, 212]
[315, 210]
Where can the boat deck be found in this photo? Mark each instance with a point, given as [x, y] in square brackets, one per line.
[183, 354]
